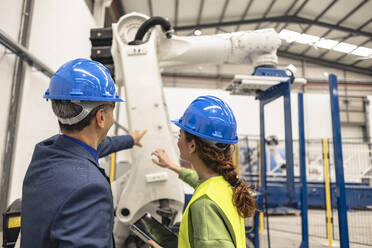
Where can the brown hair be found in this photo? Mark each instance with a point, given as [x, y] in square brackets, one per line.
[221, 163]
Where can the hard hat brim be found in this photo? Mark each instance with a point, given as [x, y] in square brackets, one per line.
[207, 137]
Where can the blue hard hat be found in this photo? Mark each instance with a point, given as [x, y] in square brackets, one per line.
[210, 118]
[82, 79]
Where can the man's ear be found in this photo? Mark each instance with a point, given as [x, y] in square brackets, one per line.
[100, 118]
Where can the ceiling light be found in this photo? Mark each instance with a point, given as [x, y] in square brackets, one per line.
[325, 43]
[289, 36]
[307, 39]
[197, 32]
[344, 47]
[362, 51]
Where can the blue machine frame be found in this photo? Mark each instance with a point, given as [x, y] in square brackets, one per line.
[339, 167]
[282, 89]
[304, 206]
[271, 94]
[289, 192]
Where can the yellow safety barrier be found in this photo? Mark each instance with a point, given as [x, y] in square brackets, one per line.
[236, 158]
[262, 230]
[14, 222]
[327, 191]
[112, 167]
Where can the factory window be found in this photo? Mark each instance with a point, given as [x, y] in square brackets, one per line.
[354, 117]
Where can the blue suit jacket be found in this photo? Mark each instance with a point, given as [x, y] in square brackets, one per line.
[67, 199]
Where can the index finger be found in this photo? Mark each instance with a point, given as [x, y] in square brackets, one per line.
[143, 132]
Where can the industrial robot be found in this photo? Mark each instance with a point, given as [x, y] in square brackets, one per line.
[141, 48]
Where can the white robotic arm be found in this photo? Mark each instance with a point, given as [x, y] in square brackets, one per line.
[147, 187]
[251, 47]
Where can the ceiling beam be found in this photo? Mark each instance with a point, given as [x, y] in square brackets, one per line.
[245, 13]
[150, 8]
[316, 19]
[326, 63]
[345, 38]
[341, 21]
[267, 11]
[286, 13]
[222, 13]
[228, 78]
[296, 12]
[176, 8]
[285, 19]
[201, 6]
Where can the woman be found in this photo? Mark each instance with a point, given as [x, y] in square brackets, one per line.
[215, 214]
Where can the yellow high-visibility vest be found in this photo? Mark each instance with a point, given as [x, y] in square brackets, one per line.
[220, 192]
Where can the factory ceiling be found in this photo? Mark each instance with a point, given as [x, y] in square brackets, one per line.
[336, 33]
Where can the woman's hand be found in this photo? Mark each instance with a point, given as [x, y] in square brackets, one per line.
[153, 244]
[164, 160]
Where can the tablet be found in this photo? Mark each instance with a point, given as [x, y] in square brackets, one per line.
[149, 228]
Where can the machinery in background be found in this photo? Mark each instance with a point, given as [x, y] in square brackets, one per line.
[12, 224]
[359, 190]
[277, 163]
[139, 51]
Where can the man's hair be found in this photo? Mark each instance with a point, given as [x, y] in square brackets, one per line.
[67, 109]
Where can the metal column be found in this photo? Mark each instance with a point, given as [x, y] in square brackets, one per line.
[288, 140]
[301, 136]
[337, 149]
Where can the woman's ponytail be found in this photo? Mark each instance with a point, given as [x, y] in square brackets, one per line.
[243, 200]
[220, 161]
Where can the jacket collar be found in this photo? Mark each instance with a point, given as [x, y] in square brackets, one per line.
[73, 147]
[78, 150]
[87, 147]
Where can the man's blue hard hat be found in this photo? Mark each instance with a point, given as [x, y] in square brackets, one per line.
[210, 118]
[82, 80]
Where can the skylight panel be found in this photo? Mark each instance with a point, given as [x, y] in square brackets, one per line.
[289, 36]
[344, 47]
[307, 39]
[362, 51]
[312, 40]
[326, 43]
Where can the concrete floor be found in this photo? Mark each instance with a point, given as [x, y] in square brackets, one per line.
[285, 231]
[281, 239]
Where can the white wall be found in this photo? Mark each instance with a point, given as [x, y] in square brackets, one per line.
[318, 119]
[59, 32]
[10, 17]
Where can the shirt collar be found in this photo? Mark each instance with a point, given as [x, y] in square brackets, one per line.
[90, 149]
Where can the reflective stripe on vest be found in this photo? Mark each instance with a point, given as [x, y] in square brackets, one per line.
[219, 191]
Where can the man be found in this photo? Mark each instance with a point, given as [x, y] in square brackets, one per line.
[67, 199]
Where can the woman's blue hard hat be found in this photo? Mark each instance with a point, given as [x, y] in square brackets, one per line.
[210, 118]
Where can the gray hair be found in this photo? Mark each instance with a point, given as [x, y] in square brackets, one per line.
[66, 109]
[86, 108]
[76, 115]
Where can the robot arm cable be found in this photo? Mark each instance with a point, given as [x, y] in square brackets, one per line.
[153, 21]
